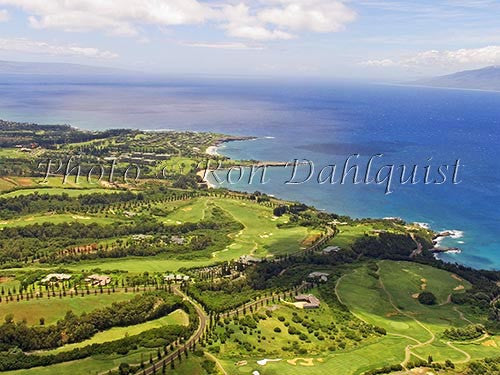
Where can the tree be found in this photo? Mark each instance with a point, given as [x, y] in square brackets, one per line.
[124, 369]
[427, 298]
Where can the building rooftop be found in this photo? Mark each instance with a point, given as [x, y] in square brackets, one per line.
[312, 301]
[57, 276]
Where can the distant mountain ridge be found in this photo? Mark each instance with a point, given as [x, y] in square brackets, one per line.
[19, 67]
[480, 79]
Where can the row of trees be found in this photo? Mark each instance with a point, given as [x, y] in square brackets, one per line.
[72, 328]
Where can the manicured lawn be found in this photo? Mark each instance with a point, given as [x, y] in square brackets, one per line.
[349, 233]
[178, 317]
[92, 365]
[361, 291]
[355, 361]
[15, 153]
[54, 308]
[160, 263]
[261, 236]
[192, 211]
[32, 184]
[55, 219]
[72, 192]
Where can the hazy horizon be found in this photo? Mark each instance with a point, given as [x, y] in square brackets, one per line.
[358, 39]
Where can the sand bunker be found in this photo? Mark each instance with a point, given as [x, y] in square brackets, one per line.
[303, 362]
[424, 284]
[490, 343]
[78, 217]
[460, 287]
[394, 313]
[241, 363]
[456, 277]
[415, 295]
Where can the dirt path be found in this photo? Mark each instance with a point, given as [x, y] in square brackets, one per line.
[217, 362]
[342, 302]
[461, 315]
[467, 355]
[447, 302]
[408, 348]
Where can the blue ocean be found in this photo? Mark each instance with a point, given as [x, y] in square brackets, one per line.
[323, 122]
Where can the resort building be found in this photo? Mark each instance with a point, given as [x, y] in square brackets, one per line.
[176, 278]
[311, 302]
[56, 277]
[177, 240]
[318, 276]
[330, 249]
[98, 280]
[248, 260]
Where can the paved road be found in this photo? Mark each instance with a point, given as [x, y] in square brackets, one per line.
[193, 339]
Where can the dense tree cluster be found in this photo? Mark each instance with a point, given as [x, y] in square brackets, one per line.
[159, 337]
[427, 298]
[72, 328]
[470, 332]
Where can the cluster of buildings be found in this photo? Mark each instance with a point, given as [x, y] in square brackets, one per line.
[149, 158]
[318, 277]
[177, 240]
[95, 280]
[54, 277]
[330, 249]
[98, 280]
[248, 260]
[176, 278]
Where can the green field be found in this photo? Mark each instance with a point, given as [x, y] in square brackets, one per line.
[177, 317]
[72, 192]
[192, 211]
[53, 185]
[393, 306]
[54, 308]
[92, 365]
[345, 363]
[260, 236]
[14, 153]
[55, 219]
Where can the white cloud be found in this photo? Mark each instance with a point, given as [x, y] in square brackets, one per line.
[311, 15]
[248, 19]
[474, 56]
[116, 16]
[279, 19]
[4, 15]
[383, 63]
[243, 24]
[231, 46]
[465, 57]
[36, 47]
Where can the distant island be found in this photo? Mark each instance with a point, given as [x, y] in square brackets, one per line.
[480, 79]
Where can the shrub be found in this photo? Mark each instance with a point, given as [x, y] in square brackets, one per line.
[427, 298]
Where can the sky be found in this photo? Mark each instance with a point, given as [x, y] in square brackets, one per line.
[378, 39]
